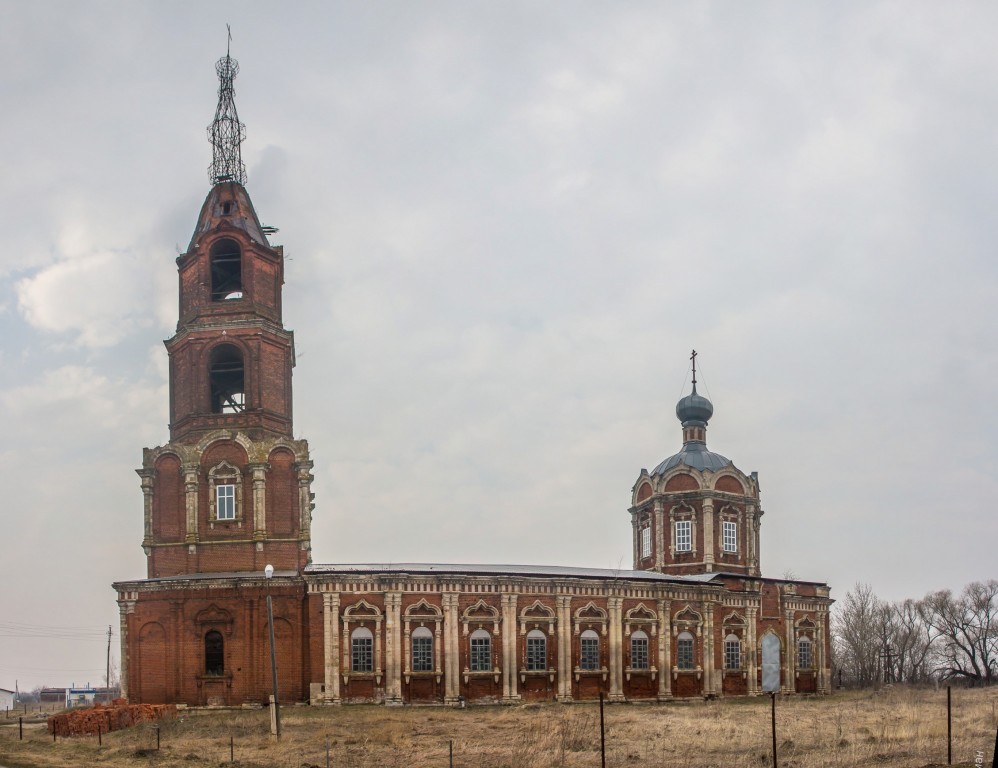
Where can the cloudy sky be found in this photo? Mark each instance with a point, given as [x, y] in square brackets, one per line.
[507, 225]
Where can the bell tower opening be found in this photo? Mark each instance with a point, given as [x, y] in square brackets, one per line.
[226, 270]
[225, 374]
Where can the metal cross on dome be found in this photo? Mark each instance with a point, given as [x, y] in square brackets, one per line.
[693, 357]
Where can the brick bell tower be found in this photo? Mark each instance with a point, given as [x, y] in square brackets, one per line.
[696, 512]
[231, 490]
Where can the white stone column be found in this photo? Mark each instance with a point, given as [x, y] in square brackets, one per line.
[635, 540]
[664, 649]
[564, 603]
[756, 525]
[823, 681]
[125, 607]
[616, 652]
[509, 641]
[708, 649]
[790, 686]
[259, 474]
[147, 489]
[331, 645]
[659, 521]
[304, 502]
[751, 640]
[452, 672]
[191, 502]
[393, 643]
[708, 534]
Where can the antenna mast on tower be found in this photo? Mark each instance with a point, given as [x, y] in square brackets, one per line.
[226, 133]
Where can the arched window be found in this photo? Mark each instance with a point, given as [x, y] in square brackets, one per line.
[537, 651]
[732, 652]
[684, 651]
[481, 651]
[214, 653]
[639, 649]
[226, 271]
[422, 650]
[225, 374]
[361, 650]
[589, 650]
[805, 653]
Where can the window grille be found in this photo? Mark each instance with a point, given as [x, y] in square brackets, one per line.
[422, 653]
[362, 651]
[225, 502]
[537, 646]
[805, 654]
[589, 647]
[646, 542]
[732, 652]
[684, 651]
[729, 536]
[481, 651]
[639, 650]
[684, 535]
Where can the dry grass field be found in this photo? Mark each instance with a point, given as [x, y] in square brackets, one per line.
[896, 727]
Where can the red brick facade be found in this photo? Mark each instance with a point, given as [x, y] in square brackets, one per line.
[231, 492]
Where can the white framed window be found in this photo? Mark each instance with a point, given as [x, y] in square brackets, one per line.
[646, 542]
[639, 650]
[481, 651]
[732, 652]
[684, 535]
[422, 650]
[805, 653]
[589, 650]
[684, 651]
[537, 651]
[225, 502]
[729, 536]
[361, 650]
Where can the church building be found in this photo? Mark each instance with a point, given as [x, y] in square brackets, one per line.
[230, 493]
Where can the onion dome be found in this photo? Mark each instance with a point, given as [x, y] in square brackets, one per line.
[694, 410]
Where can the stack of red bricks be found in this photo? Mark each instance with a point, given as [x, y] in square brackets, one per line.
[104, 718]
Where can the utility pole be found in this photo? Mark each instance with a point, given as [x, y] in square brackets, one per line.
[275, 708]
[107, 679]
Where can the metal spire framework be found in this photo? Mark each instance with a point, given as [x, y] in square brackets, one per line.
[226, 133]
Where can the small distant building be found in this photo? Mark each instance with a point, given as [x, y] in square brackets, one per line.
[52, 696]
[7, 699]
[80, 697]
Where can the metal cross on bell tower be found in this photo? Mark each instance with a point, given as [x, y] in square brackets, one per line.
[226, 133]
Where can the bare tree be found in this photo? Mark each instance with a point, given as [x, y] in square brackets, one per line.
[857, 628]
[964, 631]
[908, 642]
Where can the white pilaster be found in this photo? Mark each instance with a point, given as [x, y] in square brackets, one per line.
[191, 502]
[259, 475]
[751, 641]
[616, 630]
[659, 518]
[708, 534]
[509, 640]
[393, 643]
[664, 649]
[564, 603]
[331, 645]
[452, 672]
[125, 607]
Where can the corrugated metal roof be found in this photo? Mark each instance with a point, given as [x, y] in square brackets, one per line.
[557, 571]
[696, 456]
